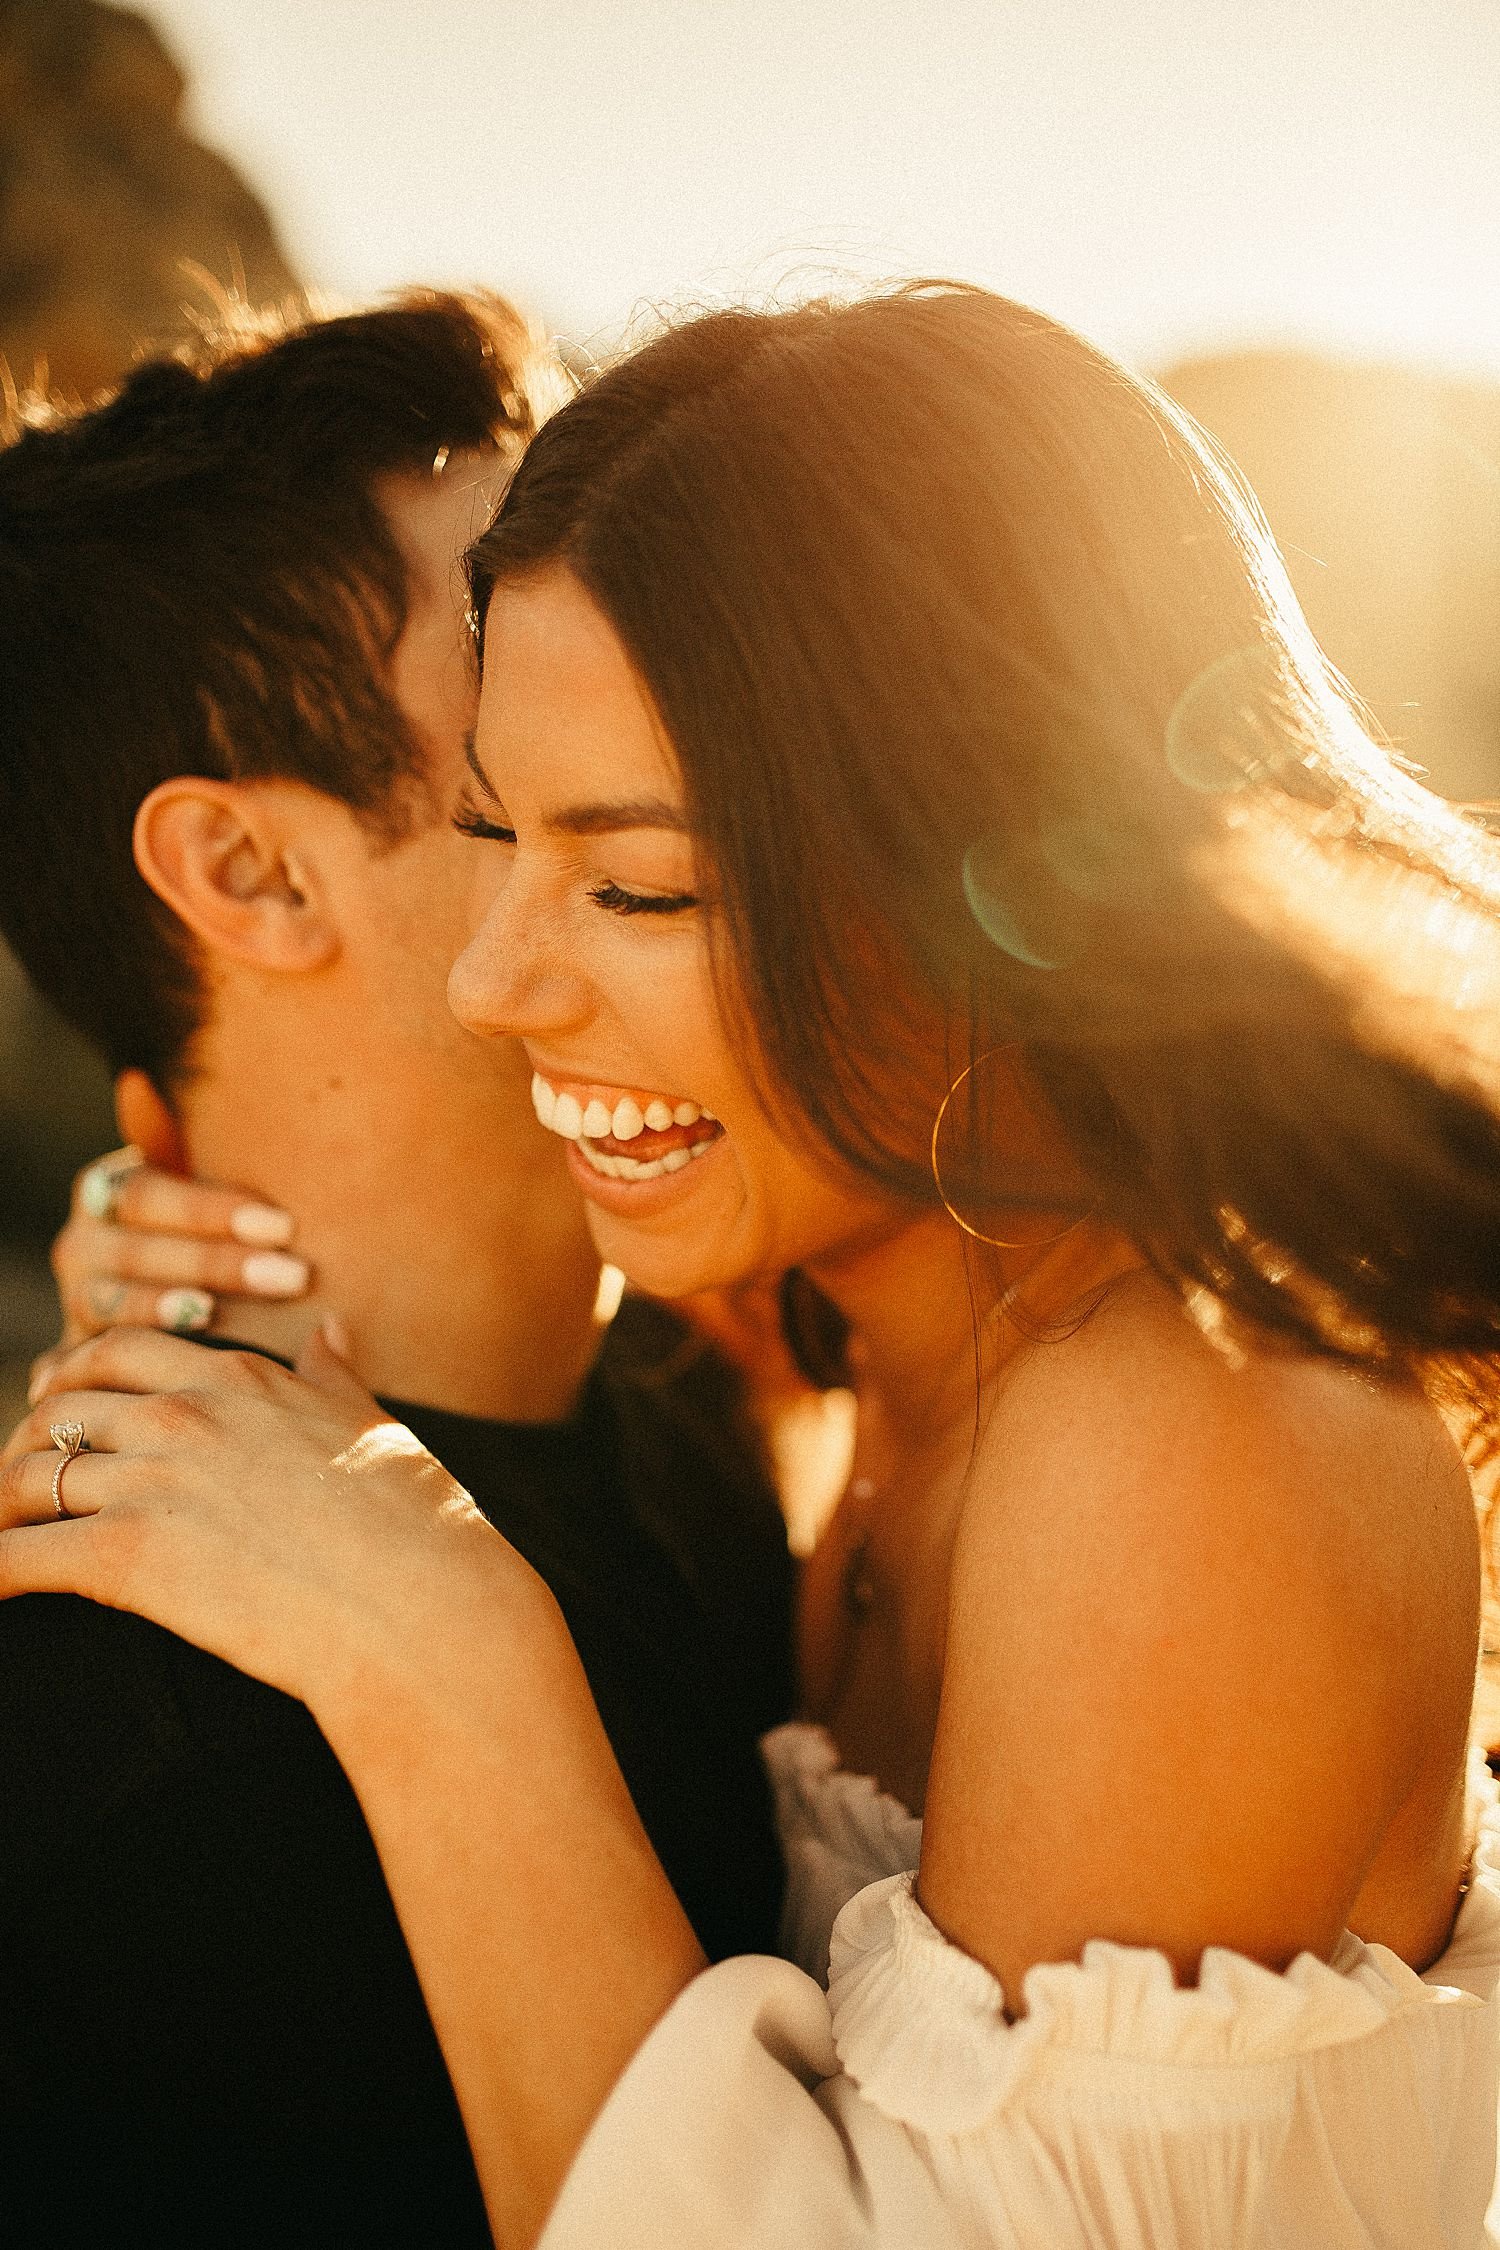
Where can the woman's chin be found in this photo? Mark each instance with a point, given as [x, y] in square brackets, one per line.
[666, 1234]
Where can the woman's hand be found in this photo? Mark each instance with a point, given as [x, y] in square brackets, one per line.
[281, 1520]
[144, 1248]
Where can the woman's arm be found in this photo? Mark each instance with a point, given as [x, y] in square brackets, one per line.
[544, 1931]
[286, 1526]
[545, 1934]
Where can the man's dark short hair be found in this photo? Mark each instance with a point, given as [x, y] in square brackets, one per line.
[195, 578]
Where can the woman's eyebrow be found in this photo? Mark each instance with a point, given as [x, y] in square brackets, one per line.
[604, 818]
[600, 819]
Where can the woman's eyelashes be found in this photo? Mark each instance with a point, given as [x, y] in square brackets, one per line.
[617, 900]
[470, 821]
[613, 897]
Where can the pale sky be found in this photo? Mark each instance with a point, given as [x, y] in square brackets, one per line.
[1165, 174]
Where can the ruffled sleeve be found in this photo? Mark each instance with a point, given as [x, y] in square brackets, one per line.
[1348, 2102]
[921, 2029]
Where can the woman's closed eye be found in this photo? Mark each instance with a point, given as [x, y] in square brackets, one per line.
[470, 821]
[615, 899]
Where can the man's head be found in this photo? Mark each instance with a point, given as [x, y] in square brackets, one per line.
[227, 610]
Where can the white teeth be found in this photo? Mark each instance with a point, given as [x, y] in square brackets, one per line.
[566, 1115]
[632, 1168]
[622, 1167]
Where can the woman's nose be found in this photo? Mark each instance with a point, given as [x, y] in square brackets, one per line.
[509, 982]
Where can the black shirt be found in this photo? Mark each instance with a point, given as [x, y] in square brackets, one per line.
[210, 2029]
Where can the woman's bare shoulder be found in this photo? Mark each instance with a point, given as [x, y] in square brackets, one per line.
[1137, 1394]
[1204, 1615]
[1282, 1485]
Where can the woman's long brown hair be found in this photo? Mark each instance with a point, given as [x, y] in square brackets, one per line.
[1000, 729]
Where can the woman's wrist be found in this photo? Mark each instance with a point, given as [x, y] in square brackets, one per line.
[456, 1662]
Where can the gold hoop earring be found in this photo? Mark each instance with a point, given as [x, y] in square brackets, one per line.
[992, 1241]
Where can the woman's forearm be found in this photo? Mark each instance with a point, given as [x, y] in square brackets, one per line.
[546, 1936]
[364, 1581]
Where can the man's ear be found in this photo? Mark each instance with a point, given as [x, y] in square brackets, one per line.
[223, 856]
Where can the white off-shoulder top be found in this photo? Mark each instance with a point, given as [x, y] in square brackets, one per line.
[1347, 2104]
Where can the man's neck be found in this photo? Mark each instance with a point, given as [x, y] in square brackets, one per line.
[439, 1219]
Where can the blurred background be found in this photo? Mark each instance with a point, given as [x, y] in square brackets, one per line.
[1290, 213]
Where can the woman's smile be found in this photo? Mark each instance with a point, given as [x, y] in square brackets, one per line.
[625, 1141]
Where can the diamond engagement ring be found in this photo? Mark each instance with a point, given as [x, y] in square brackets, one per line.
[70, 1441]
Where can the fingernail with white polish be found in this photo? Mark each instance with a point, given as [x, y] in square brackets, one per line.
[336, 1336]
[271, 1274]
[259, 1223]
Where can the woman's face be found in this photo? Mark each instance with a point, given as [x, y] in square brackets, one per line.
[592, 926]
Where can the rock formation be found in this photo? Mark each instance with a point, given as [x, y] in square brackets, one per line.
[107, 206]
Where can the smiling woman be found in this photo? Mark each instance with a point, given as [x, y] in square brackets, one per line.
[920, 847]
[596, 949]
